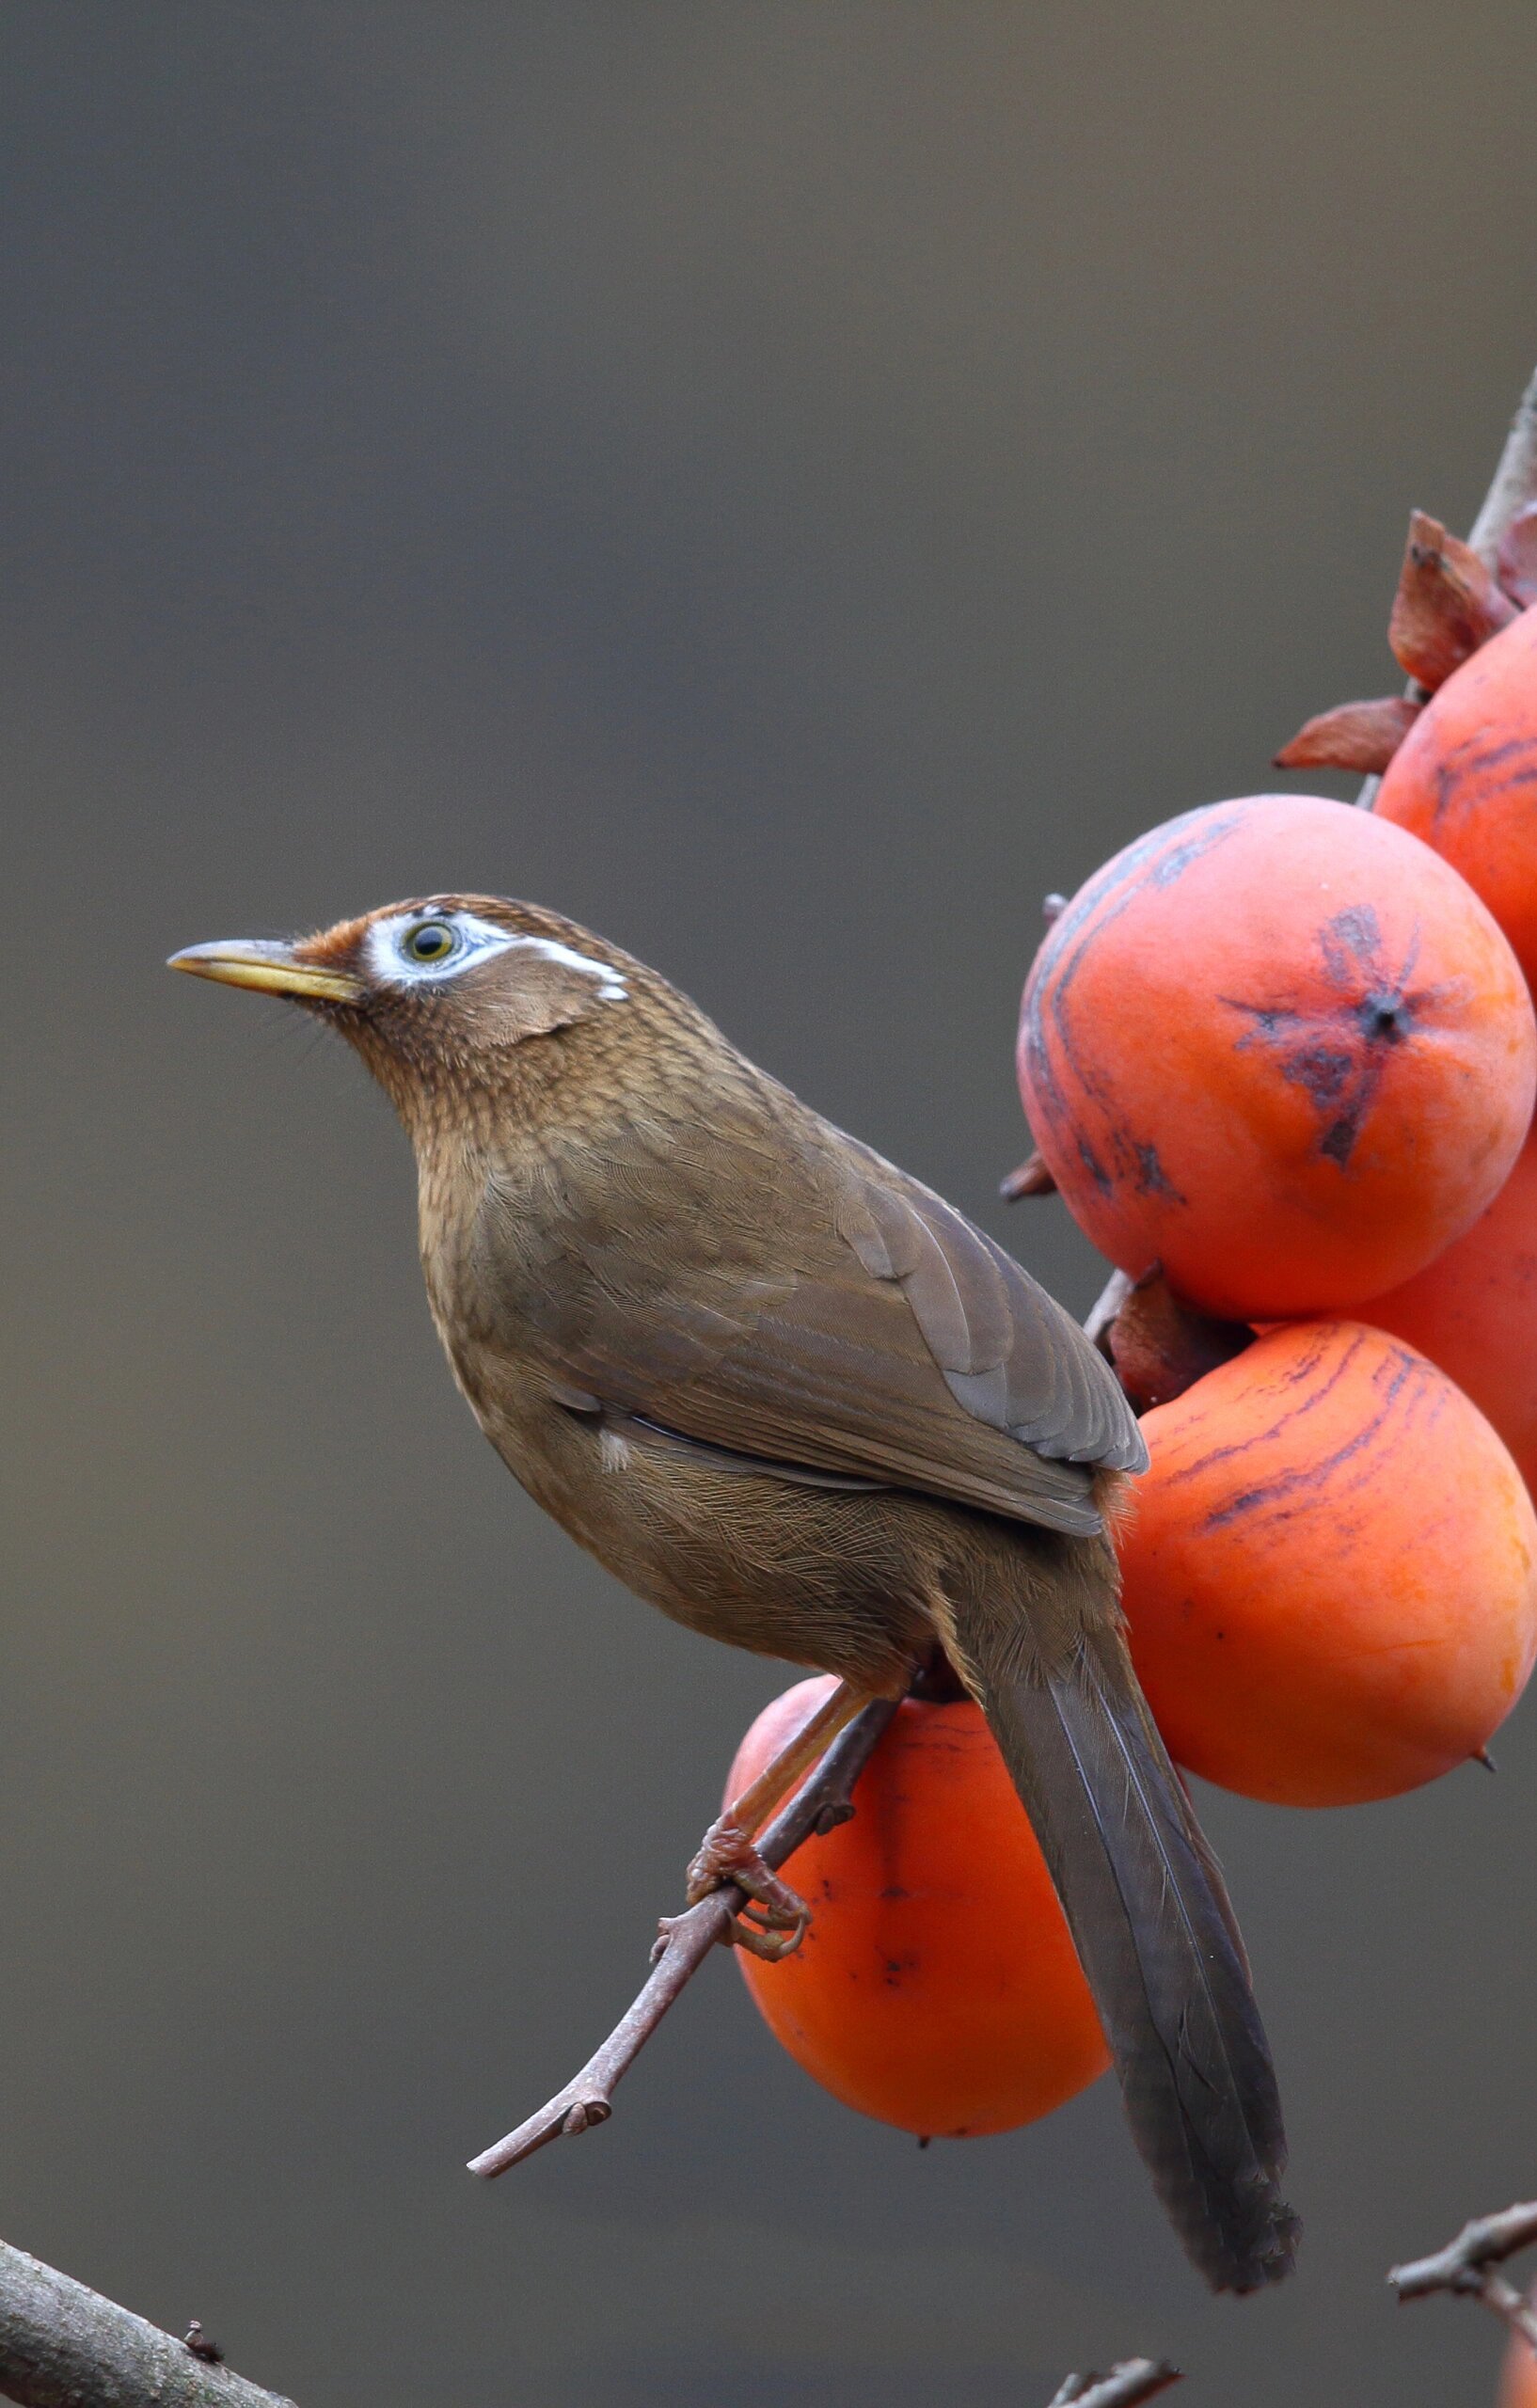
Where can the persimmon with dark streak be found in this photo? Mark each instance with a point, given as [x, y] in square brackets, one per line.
[1465, 778]
[1474, 1312]
[1280, 1048]
[1330, 1570]
[937, 1989]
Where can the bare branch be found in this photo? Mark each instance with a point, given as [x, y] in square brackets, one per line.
[1133, 2380]
[1466, 2265]
[686, 1941]
[62, 2346]
[1514, 485]
[1514, 480]
[1518, 570]
[1485, 2242]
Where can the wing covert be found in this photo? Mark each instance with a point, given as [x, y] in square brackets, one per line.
[897, 1345]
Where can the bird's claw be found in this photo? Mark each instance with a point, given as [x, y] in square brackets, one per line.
[775, 1919]
[771, 1928]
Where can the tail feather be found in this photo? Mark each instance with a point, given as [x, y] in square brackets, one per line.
[1156, 1935]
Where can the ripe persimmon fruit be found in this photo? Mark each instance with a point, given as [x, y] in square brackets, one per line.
[1518, 2376]
[1465, 778]
[1474, 1312]
[1330, 1570]
[937, 1989]
[1280, 1048]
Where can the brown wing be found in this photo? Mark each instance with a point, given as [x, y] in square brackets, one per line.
[889, 1341]
[1008, 1351]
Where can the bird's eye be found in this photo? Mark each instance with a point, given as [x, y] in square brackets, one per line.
[430, 941]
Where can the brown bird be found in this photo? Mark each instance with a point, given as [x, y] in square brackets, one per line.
[795, 1400]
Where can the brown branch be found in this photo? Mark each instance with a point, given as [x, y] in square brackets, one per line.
[687, 1939]
[1514, 480]
[1514, 486]
[62, 2346]
[1518, 570]
[1133, 2380]
[1467, 2267]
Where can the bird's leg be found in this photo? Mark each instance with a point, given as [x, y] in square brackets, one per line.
[774, 1922]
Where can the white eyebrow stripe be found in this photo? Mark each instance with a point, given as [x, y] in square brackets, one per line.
[610, 987]
[482, 941]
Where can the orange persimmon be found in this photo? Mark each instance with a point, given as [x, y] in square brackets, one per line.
[1330, 1570]
[937, 1989]
[1474, 1312]
[1465, 778]
[1518, 2376]
[1280, 1048]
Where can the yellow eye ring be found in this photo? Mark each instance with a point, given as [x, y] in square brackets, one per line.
[432, 941]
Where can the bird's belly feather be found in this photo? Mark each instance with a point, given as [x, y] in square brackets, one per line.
[837, 1578]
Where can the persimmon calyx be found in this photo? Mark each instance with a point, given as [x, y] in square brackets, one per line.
[1161, 1346]
[1446, 605]
[1359, 737]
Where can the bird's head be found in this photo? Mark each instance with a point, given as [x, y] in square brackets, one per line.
[437, 995]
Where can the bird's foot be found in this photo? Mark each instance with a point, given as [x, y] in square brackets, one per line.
[775, 1919]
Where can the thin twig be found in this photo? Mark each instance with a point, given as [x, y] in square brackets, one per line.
[62, 2346]
[1514, 486]
[1133, 2380]
[1466, 2266]
[1514, 480]
[687, 1939]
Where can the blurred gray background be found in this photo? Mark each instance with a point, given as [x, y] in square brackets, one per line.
[786, 484]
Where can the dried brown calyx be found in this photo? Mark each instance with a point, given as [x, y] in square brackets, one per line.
[1357, 735]
[1161, 1346]
[1447, 604]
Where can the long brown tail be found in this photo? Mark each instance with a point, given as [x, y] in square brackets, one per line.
[1156, 1936]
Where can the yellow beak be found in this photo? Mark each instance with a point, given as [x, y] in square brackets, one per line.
[268, 966]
